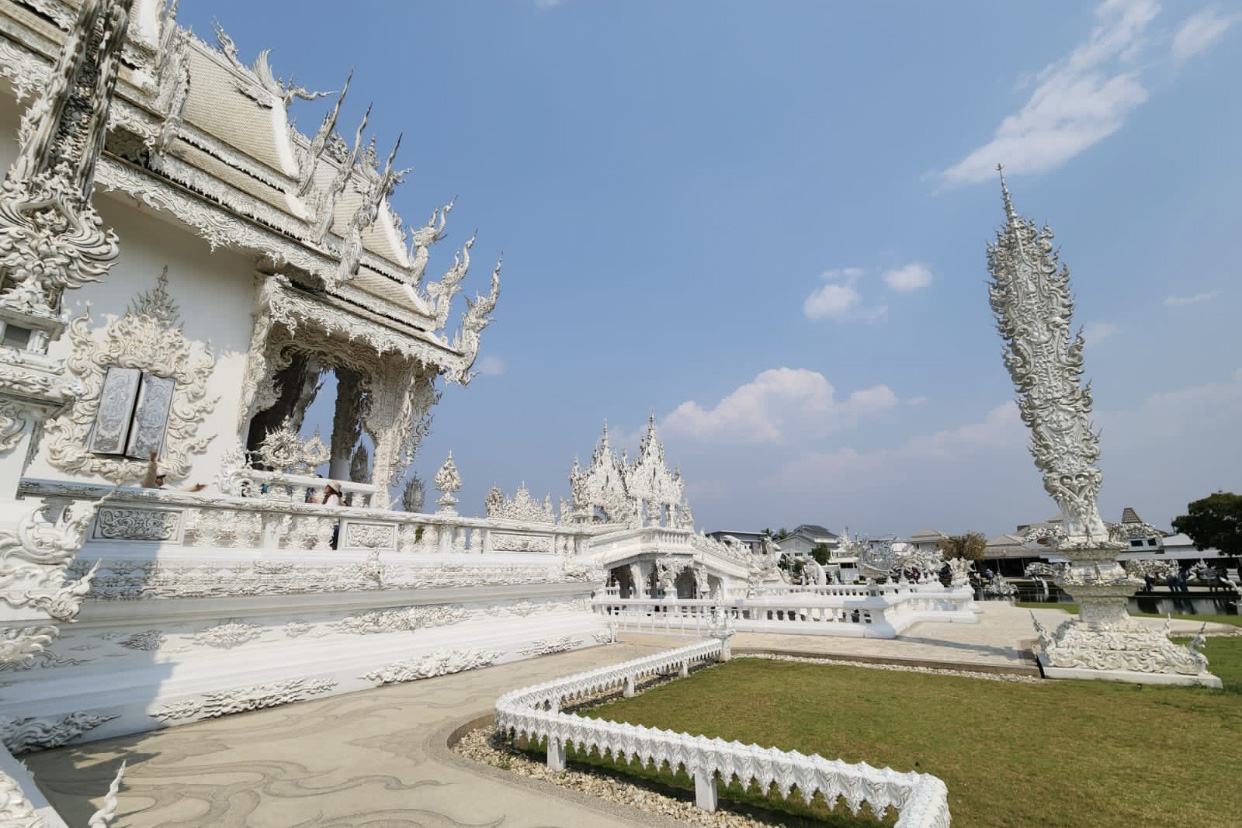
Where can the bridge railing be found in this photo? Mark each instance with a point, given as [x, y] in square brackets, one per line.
[866, 612]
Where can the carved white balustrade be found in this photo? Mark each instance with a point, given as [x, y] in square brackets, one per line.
[921, 800]
[861, 611]
[284, 518]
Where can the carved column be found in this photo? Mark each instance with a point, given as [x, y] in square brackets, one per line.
[295, 386]
[397, 418]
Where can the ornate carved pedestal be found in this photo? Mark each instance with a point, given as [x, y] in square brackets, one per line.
[1104, 642]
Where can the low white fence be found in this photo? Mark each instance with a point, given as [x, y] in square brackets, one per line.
[841, 610]
[921, 800]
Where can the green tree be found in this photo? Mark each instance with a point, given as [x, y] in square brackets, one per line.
[970, 546]
[821, 554]
[1215, 522]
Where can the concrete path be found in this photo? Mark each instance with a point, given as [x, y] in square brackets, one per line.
[378, 758]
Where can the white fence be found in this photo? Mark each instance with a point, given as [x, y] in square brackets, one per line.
[921, 800]
[842, 610]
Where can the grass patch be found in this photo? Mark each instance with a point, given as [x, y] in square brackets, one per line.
[1014, 755]
[1072, 609]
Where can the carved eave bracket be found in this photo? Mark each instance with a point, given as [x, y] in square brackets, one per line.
[476, 318]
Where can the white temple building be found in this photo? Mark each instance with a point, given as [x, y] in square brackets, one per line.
[179, 270]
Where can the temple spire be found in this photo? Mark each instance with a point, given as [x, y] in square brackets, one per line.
[1011, 215]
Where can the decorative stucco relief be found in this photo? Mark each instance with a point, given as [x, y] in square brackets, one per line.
[121, 579]
[239, 700]
[228, 634]
[440, 663]
[400, 620]
[148, 338]
[136, 524]
[44, 733]
[547, 646]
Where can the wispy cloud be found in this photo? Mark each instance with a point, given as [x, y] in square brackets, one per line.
[1199, 33]
[778, 405]
[490, 366]
[908, 277]
[1077, 102]
[839, 299]
[1176, 301]
[1096, 332]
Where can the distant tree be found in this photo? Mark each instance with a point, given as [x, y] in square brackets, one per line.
[781, 535]
[821, 554]
[1215, 522]
[970, 546]
[413, 493]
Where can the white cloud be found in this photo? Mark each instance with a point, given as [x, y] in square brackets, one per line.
[1176, 301]
[841, 300]
[831, 301]
[1002, 427]
[1099, 331]
[778, 404]
[490, 366]
[908, 277]
[1078, 101]
[1199, 33]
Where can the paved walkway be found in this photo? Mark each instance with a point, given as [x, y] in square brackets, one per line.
[378, 758]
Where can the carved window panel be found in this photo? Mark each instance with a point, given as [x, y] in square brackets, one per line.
[146, 435]
[116, 410]
[132, 417]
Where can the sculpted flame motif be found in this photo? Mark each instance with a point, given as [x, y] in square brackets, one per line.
[1031, 299]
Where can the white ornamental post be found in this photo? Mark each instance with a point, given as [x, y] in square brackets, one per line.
[448, 482]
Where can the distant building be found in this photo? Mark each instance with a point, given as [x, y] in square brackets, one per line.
[752, 540]
[801, 541]
[927, 540]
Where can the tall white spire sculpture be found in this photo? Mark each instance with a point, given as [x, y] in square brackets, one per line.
[1030, 296]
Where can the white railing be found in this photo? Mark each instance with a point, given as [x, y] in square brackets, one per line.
[921, 800]
[294, 488]
[284, 520]
[848, 611]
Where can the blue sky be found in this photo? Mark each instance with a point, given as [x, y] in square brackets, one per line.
[765, 222]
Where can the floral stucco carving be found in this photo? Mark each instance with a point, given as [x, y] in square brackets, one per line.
[440, 663]
[241, 699]
[44, 733]
[148, 338]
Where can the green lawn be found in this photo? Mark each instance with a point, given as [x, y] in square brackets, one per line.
[1066, 753]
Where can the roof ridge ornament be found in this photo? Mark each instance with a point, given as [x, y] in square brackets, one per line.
[321, 140]
[51, 237]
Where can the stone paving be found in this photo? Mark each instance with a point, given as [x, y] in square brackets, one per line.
[379, 758]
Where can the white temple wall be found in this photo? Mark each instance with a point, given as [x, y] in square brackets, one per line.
[214, 292]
